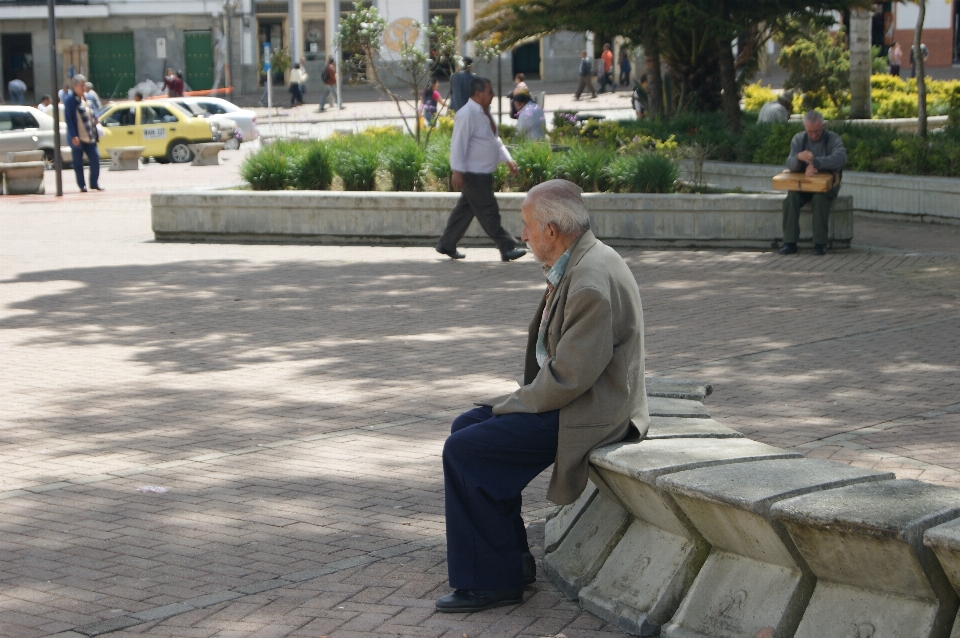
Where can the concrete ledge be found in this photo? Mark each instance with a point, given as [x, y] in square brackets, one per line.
[126, 158]
[944, 540]
[754, 577]
[318, 217]
[206, 154]
[864, 543]
[927, 199]
[23, 178]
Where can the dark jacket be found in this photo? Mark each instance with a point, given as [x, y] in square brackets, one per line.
[586, 67]
[460, 89]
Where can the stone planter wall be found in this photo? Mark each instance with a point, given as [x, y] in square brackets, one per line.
[732, 220]
[698, 532]
[926, 199]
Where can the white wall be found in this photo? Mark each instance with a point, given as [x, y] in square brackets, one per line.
[939, 15]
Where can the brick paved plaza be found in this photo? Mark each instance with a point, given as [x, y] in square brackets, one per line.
[292, 402]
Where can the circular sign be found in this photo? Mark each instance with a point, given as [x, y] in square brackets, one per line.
[398, 32]
[314, 35]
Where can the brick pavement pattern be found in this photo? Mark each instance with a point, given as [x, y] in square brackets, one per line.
[291, 403]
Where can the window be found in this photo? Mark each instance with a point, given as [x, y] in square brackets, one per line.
[212, 108]
[157, 115]
[17, 121]
[120, 117]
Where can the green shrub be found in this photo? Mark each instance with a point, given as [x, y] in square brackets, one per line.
[508, 133]
[535, 163]
[404, 160]
[649, 172]
[585, 166]
[501, 177]
[775, 146]
[438, 157]
[313, 169]
[269, 169]
[356, 162]
[756, 95]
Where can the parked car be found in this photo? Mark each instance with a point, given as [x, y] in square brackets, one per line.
[162, 128]
[245, 119]
[24, 128]
[228, 128]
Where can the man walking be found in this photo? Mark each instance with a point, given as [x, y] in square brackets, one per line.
[606, 61]
[460, 85]
[814, 150]
[17, 88]
[475, 151]
[586, 76]
[82, 133]
[583, 387]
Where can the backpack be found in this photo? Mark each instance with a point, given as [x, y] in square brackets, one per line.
[325, 75]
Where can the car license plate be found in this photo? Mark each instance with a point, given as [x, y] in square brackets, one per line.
[154, 133]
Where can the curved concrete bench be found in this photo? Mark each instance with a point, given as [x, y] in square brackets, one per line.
[704, 533]
[126, 158]
[23, 178]
[206, 154]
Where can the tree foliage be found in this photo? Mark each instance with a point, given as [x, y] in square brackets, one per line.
[819, 66]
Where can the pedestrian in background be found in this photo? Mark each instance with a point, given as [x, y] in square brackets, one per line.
[46, 105]
[605, 72]
[475, 152]
[92, 97]
[17, 88]
[460, 85]
[520, 84]
[432, 101]
[895, 57]
[329, 79]
[641, 99]
[531, 123]
[295, 94]
[82, 133]
[173, 83]
[924, 54]
[624, 68]
[303, 76]
[586, 80]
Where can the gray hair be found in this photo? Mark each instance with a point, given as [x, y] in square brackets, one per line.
[478, 84]
[78, 79]
[813, 117]
[560, 203]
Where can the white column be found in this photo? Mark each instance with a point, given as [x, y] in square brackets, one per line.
[249, 48]
[296, 31]
[466, 23]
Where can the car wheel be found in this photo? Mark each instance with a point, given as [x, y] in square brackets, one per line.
[48, 158]
[179, 152]
[232, 144]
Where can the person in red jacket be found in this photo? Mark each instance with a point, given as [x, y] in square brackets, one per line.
[173, 83]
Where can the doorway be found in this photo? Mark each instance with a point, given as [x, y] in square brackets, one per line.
[198, 56]
[526, 60]
[17, 52]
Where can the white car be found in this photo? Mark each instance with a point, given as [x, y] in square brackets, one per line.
[227, 128]
[24, 128]
[218, 108]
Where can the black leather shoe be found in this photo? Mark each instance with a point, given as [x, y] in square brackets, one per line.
[819, 249]
[452, 254]
[788, 249]
[529, 568]
[465, 601]
[83, 189]
[513, 253]
[97, 188]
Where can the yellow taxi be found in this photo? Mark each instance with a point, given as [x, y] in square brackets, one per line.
[163, 129]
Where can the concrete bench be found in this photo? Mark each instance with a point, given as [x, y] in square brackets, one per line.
[677, 389]
[662, 406]
[864, 543]
[23, 178]
[944, 540]
[25, 156]
[647, 554]
[126, 158]
[207, 154]
[754, 577]
[671, 427]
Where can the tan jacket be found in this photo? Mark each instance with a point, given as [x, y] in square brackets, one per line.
[594, 368]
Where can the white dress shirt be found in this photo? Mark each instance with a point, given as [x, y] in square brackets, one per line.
[475, 147]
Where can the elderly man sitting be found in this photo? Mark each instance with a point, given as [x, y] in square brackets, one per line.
[583, 387]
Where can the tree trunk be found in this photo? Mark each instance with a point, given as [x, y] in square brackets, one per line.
[731, 92]
[654, 83]
[921, 80]
[861, 22]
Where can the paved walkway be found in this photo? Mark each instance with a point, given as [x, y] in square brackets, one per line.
[243, 440]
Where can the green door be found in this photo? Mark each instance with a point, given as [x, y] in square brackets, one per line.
[198, 52]
[112, 67]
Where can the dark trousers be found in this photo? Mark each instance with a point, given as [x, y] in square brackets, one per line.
[604, 80]
[93, 157]
[476, 200]
[821, 203]
[586, 81]
[487, 461]
[295, 94]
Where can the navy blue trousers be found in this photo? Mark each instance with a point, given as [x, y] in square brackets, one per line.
[487, 461]
[93, 156]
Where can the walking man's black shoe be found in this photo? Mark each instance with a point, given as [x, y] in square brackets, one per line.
[819, 249]
[529, 568]
[465, 601]
[452, 254]
[513, 253]
[788, 249]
